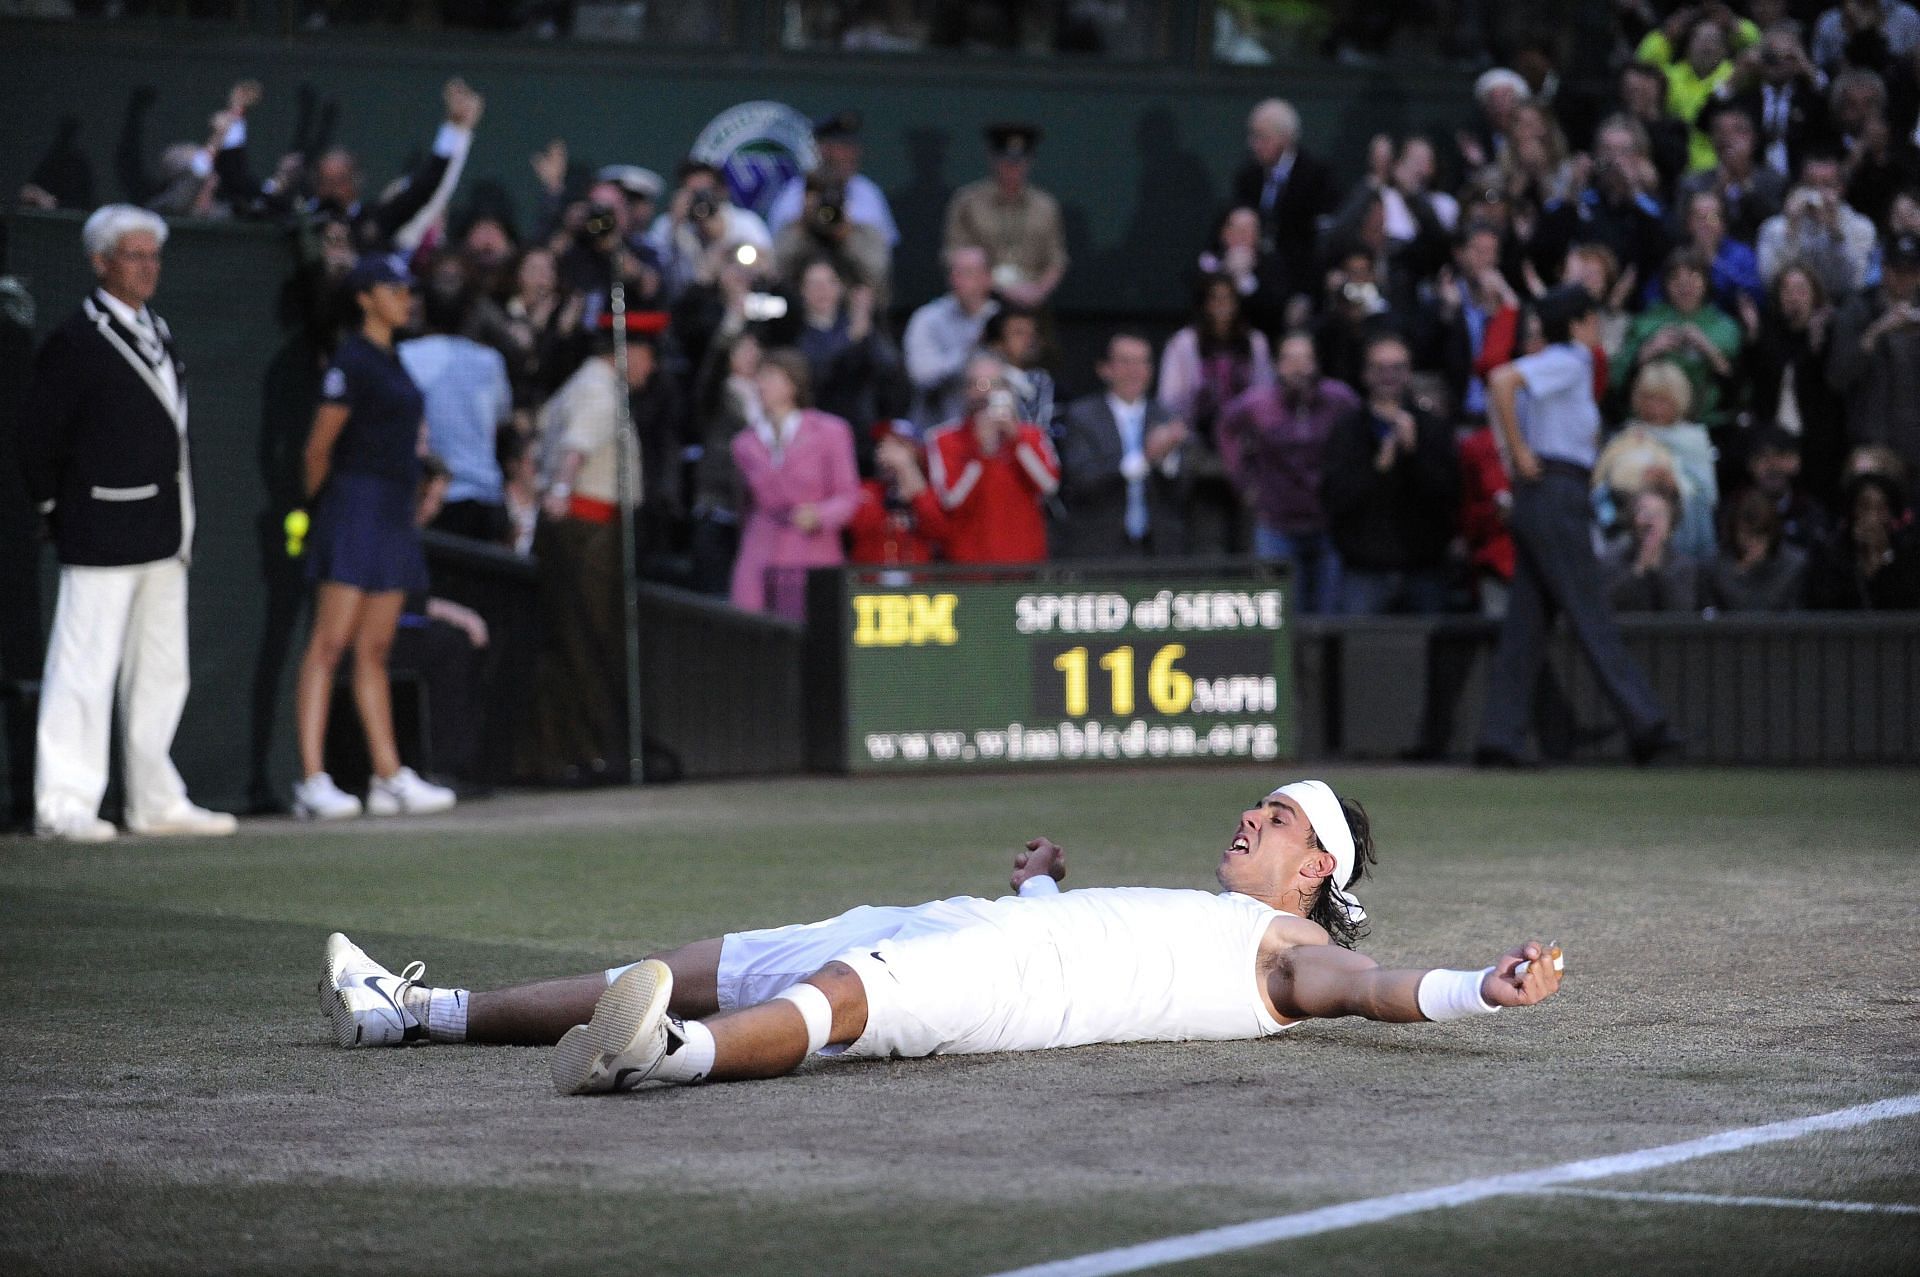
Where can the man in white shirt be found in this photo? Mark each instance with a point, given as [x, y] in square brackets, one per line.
[942, 334]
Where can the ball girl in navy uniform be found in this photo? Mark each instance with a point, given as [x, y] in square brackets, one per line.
[363, 552]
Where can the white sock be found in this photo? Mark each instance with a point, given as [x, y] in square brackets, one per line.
[689, 1056]
[443, 1011]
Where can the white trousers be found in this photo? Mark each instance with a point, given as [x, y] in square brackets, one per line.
[113, 625]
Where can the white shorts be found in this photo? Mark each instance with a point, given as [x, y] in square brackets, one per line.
[939, 977]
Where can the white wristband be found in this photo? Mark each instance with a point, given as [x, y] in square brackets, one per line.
[1040, 885]
[1453, 995]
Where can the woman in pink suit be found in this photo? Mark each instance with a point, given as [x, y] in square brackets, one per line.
[800, 488]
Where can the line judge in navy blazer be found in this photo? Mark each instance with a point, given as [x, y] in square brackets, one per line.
[1124, 482]
[104, 440]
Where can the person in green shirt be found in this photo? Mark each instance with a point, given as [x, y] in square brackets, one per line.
[1709, 45]
[1688, 331]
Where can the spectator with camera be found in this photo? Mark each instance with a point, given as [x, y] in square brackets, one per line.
[992, 472]
[899, 520]
[943, 333]
[726, 401]
[1014, 334]
[1124, 479]
[605, 247]
[1355, 310]
[1620, 208]
[1390, 485]
[1816, 226]
[702, 219]
[1688, 330]
[857, 252]
[1273, 442]
[838, 138]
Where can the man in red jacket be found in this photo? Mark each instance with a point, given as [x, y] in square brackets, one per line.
[992, 473]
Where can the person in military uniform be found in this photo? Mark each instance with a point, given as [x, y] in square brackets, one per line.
[1015, 223]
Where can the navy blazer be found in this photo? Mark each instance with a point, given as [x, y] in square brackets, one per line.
[105, 452]
[1095, 493]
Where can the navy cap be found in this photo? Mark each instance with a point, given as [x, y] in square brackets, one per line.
[1012, 141]
[379, 268]
[841, 126]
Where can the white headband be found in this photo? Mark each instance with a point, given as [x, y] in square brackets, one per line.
[1329, 822]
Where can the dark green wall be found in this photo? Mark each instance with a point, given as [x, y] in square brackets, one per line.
[1140, 158]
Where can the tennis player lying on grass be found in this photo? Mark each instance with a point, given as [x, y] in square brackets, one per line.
[1040, 969]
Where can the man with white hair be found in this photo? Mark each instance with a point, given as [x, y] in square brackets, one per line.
[104, 440]
[1290, 189]
[1027, 972]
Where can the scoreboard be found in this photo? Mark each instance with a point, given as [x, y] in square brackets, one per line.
[1008, 669]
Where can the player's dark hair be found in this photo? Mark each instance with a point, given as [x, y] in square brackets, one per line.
[1326, 910]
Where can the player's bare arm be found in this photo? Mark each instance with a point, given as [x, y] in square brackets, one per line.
[1324, 982]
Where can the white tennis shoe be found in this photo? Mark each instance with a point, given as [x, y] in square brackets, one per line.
[318, 798]
[625, 1041]
[405, 794]
[365, 1001]
[76, 827]
[185, 821]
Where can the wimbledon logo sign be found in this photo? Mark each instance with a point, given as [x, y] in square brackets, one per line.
[759, 146]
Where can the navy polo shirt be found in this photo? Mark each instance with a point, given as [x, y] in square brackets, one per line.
[384, 410]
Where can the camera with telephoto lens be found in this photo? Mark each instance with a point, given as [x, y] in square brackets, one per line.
[599, 223]
[701, 207]
[826, 217]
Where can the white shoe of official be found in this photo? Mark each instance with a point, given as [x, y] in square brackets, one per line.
[365, 1001]
[626, 1039]
[405, 794]
[77, 827]
[186, 820]
[318, 798]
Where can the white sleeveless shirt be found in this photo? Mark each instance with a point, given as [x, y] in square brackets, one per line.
[1100, 964]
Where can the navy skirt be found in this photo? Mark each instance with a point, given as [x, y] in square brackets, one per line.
[363, 535]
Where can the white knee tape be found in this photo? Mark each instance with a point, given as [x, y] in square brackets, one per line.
[814, 1009]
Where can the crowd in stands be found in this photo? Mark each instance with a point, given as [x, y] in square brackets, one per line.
[1742, 200]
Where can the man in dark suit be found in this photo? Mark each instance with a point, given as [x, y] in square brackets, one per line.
[1289, 188]
[104, 442]
[1122, 458]
[1787, 105]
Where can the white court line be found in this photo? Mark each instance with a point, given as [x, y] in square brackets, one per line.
[1711, 1199]
[1261, 1232]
